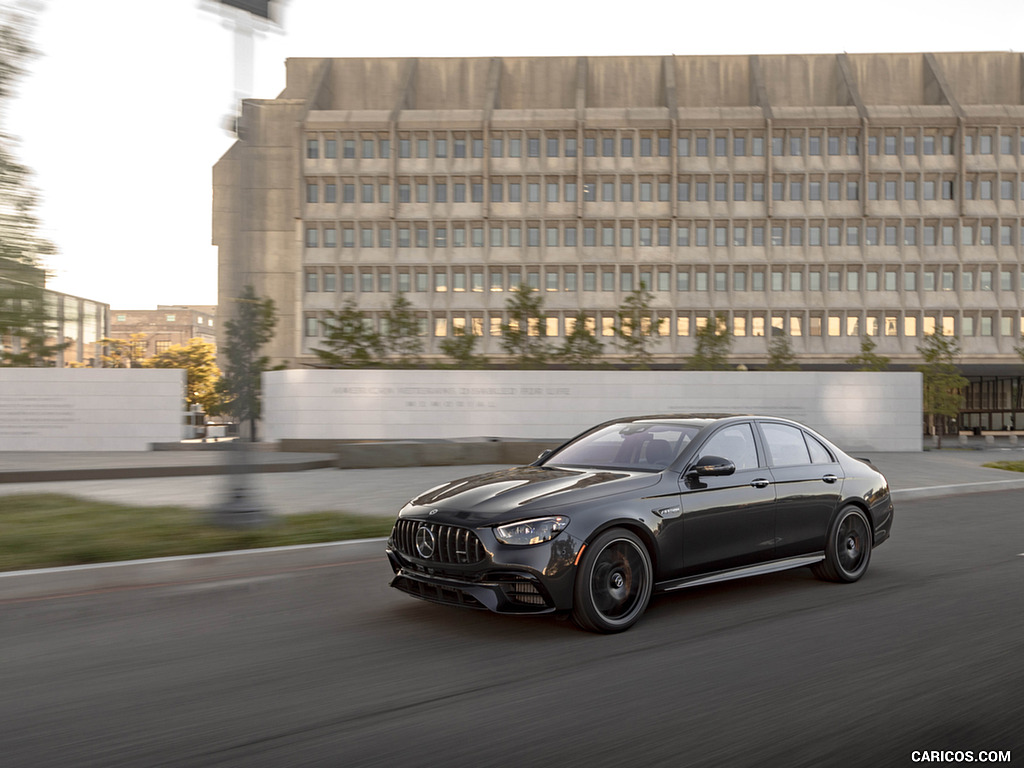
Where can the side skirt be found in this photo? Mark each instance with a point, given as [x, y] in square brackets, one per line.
[740, 573]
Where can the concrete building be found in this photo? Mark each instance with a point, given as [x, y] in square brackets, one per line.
[79, 323]
[166, 326]
[827, 197]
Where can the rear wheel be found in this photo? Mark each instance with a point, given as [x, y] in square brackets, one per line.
[847, 548]
[613, 582]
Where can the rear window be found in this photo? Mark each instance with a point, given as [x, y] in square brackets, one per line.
[786, 445]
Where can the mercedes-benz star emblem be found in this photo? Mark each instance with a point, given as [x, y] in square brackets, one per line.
[425, 542]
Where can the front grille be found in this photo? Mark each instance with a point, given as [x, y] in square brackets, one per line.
[452, 545]
[436, 593]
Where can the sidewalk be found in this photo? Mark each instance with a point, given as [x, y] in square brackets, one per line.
[56, 466]
[299, 482]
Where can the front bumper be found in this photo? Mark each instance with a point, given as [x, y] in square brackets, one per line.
[491, 587]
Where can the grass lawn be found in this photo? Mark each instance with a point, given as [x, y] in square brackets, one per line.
[1012, 466]
[48, 530]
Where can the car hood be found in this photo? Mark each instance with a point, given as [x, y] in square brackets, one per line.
[527, 489]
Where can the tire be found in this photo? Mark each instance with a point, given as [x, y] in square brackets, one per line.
[847, 548]
[613, 582]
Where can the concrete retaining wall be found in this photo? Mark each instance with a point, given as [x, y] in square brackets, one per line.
[89, 409]
[858, 411]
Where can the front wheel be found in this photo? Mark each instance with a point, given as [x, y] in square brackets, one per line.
[847, 548]
[613, 582]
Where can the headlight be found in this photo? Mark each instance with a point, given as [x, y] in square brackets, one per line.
[528, 532]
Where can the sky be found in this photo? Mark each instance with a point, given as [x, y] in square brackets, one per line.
[120, 117]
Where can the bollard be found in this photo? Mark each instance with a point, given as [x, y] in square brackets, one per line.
[962, 440]
[1013, 439]
[990, 439]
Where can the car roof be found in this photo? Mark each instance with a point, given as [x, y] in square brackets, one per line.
[701, 418]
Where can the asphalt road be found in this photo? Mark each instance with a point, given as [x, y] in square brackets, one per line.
[326, 666]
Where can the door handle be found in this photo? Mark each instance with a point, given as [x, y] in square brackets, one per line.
[829, 478]
[760, 482]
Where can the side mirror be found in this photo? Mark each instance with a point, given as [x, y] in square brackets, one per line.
[712, 466]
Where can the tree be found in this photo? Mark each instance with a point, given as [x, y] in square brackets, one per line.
[351, 343]
[459, 348]
[251, 327]
[524, 335]
[199, 359]
[581, 348]
[942, 383]
[714, 341]
[401, 340]
[636, 327]
[124, 353]
[27, 320]
[780, 353]
[868, 360]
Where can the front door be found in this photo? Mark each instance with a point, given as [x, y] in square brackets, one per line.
[729, 521]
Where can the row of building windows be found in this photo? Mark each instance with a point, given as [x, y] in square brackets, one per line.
[740, 324]
[665, 279]
[795, 232]
[794, 142]
[782, 187]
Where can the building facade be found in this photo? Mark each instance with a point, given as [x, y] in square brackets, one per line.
[157, 330]
[826, 197]
[68, 320]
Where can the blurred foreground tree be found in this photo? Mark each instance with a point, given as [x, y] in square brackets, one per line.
[636, 328]
[350, 341]
[780, 353]
[524, 336]
[250, 326]
[581, 348]
[27, 320]
[713, 345]
[868, 360]
[124, 353]
[199, 359]
[943, 384]
[459, 347]
[400, 339]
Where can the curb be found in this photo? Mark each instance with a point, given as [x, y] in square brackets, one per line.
[131, 473]
[74, 580]
[959, 489]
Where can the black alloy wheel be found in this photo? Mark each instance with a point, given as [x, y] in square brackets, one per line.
[613, 582]
[848, 547]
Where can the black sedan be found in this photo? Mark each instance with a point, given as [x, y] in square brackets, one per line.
[641, 505]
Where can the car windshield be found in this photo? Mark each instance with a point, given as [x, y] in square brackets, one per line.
[639, 446]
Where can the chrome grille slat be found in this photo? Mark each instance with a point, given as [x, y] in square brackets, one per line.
[454, 545]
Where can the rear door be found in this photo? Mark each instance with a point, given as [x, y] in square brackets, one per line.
[808, 484]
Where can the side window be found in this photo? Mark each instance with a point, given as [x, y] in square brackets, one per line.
[819, 453]
[786, 445]
[735, 443]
